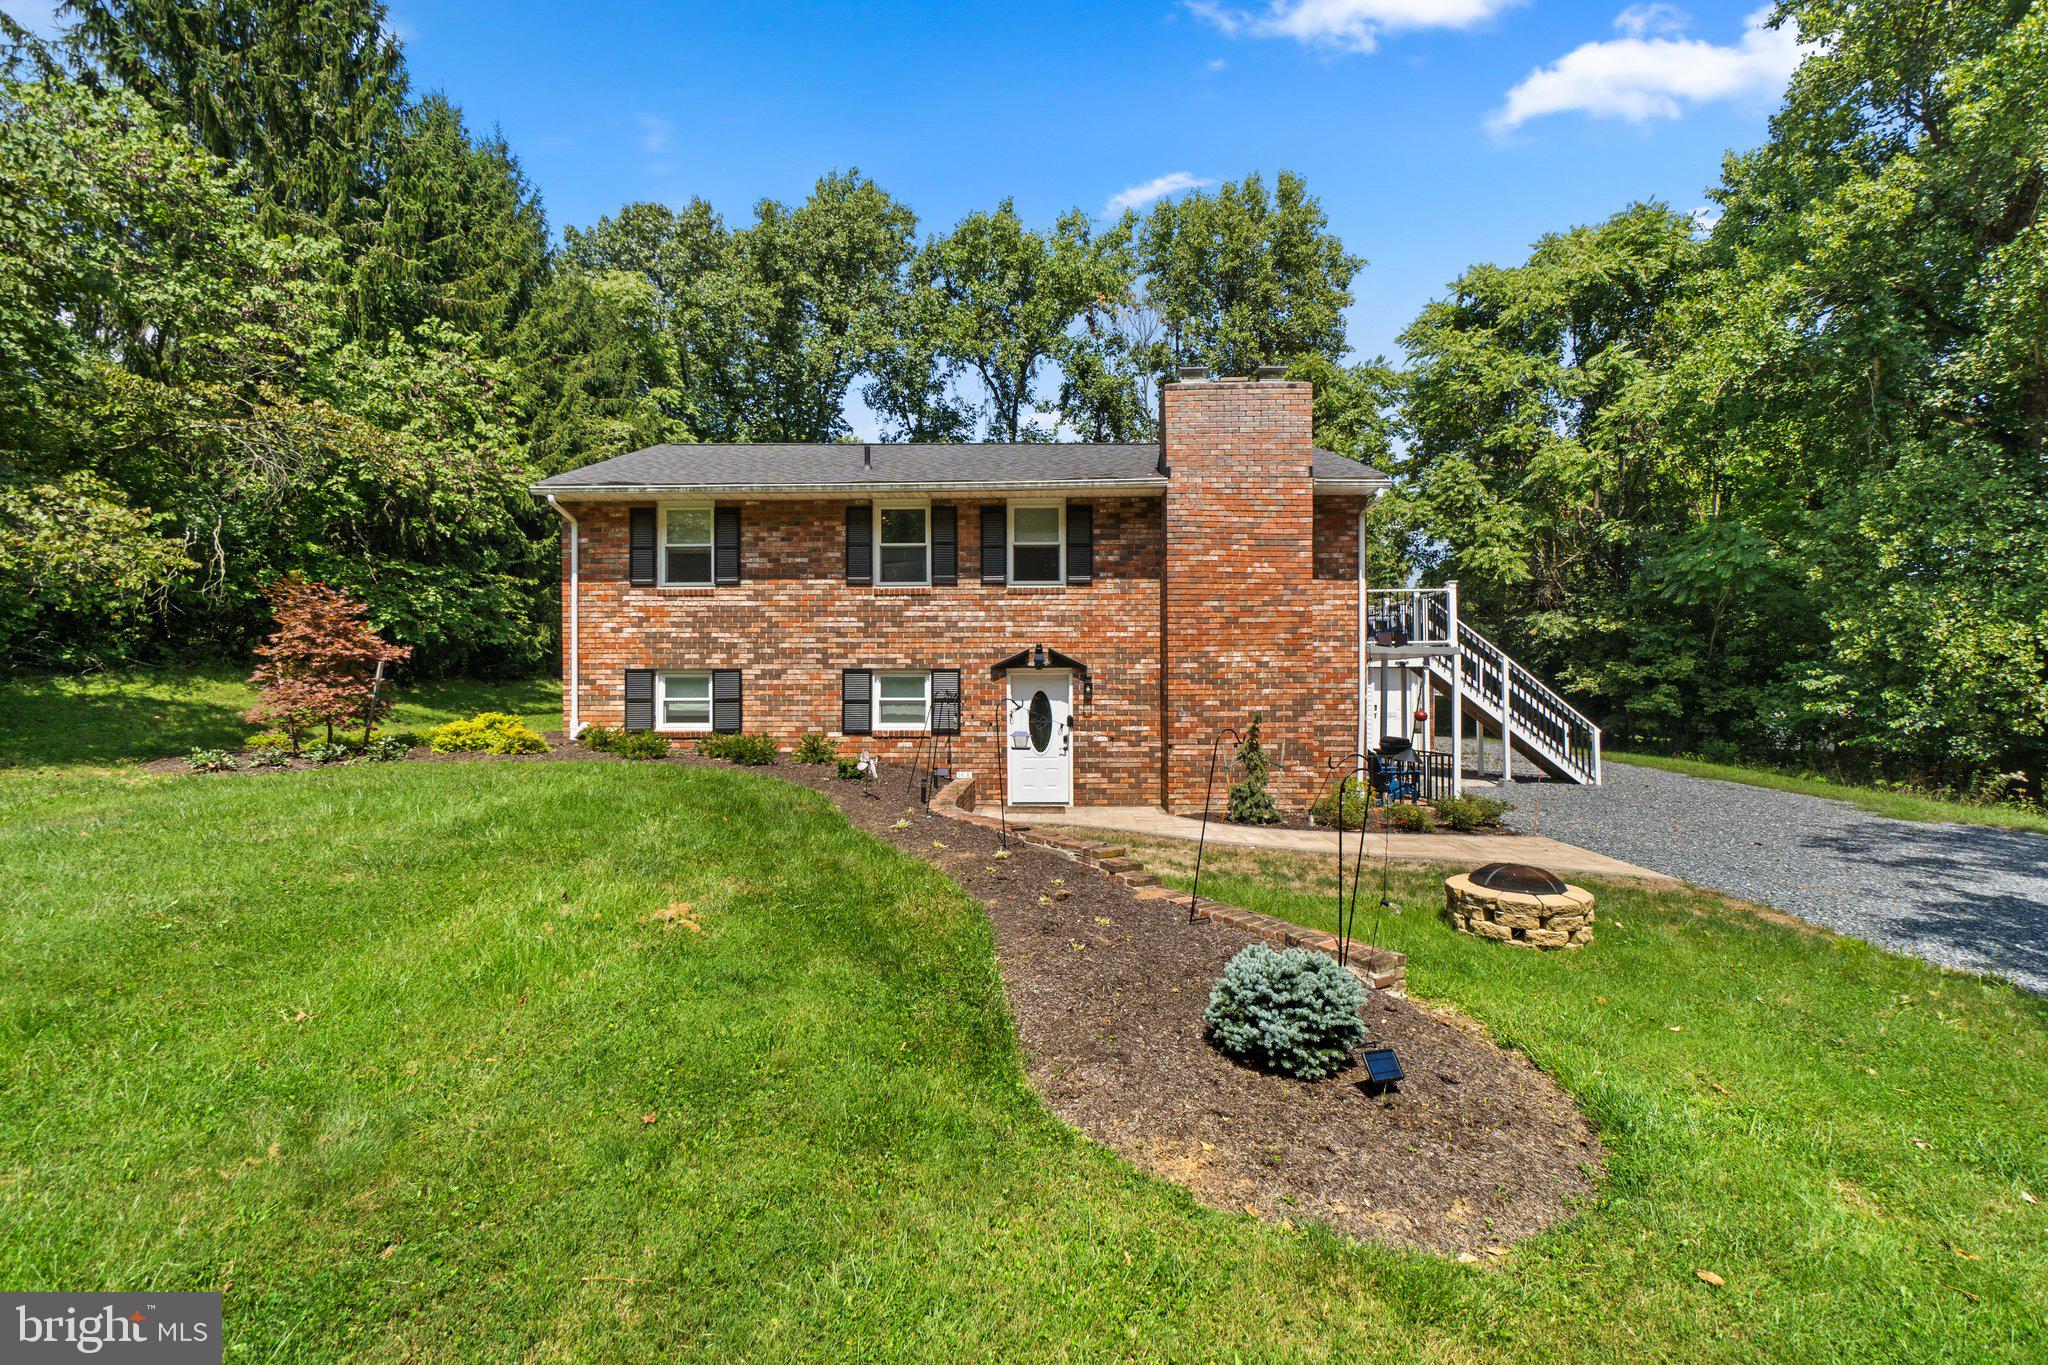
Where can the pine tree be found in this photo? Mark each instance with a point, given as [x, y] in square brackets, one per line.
[304, 93]
[1251, 798]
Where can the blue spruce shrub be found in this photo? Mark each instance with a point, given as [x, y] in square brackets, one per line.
[1293, 1012]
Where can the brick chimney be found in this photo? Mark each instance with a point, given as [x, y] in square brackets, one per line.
[1240, 607]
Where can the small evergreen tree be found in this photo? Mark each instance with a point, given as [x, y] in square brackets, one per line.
[1251, 799]
[319, 667]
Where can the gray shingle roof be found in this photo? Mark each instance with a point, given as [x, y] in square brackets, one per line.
[841, 466]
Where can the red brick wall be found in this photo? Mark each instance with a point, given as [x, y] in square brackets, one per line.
[1260, 592]
[794, 623]
[1240, 577]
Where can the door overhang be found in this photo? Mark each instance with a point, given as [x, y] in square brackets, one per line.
[1039, 657]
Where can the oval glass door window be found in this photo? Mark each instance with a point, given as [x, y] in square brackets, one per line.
[1041, 720]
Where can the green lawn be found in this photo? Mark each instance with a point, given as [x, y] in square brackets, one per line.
[375, 1048]
[137, 714]
[1898, 805]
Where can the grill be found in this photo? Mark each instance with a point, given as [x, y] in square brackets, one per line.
[1517, 877]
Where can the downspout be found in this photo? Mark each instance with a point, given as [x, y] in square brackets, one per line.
[575, 615]
[1361, 635]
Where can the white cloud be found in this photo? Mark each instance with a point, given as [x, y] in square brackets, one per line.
[1346, 25]
[1638, 20]
[1215, 64]
[1638, 78]
[657, 134]
[1152, 191]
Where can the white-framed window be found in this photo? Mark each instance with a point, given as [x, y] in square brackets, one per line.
[1038, 543]
[903, 701]
[686, 545]
[903, 544]
[682, 701]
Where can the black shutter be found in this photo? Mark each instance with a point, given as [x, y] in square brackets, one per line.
[995, 558]
[640, 548]
[945, 544]
[725, 701]
[945, 701]
[639, 699]
[1080, 543]
[860, 544]
[725, 543]
[857, 702]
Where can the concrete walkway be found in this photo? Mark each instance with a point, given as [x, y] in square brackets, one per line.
[1468, 849]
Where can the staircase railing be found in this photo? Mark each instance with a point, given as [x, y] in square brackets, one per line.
[1537, 716]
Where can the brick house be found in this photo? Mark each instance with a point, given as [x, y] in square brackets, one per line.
[1086, 616]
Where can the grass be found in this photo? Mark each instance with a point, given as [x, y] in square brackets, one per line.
[379, 1053]
[1846, 1136]
[1899, 805]
[133, 715]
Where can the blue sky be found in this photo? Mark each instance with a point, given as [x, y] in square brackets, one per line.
[1437, 133]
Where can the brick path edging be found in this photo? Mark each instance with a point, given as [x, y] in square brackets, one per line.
[1379, 968]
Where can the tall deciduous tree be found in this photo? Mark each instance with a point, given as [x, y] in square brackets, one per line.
[1001, 302]
[813, 281]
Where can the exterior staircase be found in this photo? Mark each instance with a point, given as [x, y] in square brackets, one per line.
[1534, 722]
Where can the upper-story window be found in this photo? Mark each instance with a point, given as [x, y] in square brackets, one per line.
[686, 547]
[1038, 537]
[903, 544]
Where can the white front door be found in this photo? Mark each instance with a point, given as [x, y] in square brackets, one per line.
[1040, 738]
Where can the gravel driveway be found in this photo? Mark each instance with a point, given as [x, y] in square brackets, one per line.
[1958, 895]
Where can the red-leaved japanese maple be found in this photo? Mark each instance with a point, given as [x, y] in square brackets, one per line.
[321, 665]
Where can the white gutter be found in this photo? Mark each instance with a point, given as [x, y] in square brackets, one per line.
[575, 615]
[813, 490]
[827, 490]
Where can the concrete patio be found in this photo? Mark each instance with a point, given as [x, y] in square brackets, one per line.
[1469, 849]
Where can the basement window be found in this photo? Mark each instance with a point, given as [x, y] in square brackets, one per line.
[685, 701]
[903, 701]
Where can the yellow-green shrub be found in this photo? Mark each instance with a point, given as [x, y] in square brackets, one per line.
[488, 732]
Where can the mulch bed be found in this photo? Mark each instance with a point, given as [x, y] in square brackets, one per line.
[1475, 1150]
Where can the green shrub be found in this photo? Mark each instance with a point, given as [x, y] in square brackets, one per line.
[750, 751]
[1343, 805]
[713, 746]
[270, 758]
[851, 770]
[600, 739]
[410, 739]
[1293, 1012]
[210, 761]
[327, 753]
[1463, 813]
[268, 740]
[640, 745]
[388, 748]
[488, 732]
[814, 749]
[1409, 818]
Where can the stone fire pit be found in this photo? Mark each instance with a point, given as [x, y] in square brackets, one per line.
[1518, 904]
